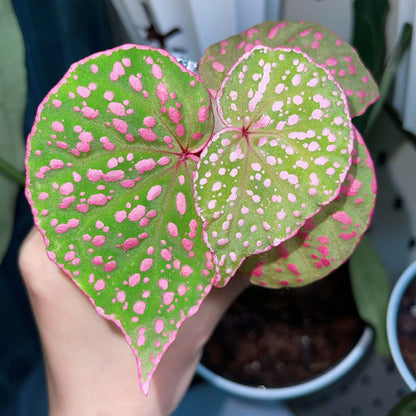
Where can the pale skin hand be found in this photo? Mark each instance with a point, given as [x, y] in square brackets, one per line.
[90, 368]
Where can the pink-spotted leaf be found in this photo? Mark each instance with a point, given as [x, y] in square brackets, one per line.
[283, 155]
[109, 176]
[325, 241]
[321, 44]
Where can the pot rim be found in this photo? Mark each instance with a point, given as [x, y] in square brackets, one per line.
[392, 312]
[297, 390]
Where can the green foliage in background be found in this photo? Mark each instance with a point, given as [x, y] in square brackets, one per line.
[369, 33]
[371, 291]
[13, 89]
[406, 406]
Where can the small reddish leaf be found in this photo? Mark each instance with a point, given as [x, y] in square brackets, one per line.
[109, 170]
[321, 44]
[326, 240]
[283, 156]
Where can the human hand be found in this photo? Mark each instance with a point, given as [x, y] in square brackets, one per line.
[90, 368]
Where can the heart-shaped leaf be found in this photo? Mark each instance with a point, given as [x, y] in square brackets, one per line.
[321, 44]
[110, 165]
[284, 154]
[325, 241]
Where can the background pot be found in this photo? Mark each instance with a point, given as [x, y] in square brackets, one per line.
[298, 390]
[294, 341]
[392, 330]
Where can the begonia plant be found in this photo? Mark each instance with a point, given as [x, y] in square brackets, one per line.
[145, 205]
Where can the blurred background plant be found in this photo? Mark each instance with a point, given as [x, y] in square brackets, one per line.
[369, 277]
[38, 42]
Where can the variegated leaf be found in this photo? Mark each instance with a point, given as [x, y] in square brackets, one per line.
[321, 44]
[284, 154]
[110, 164]
[325, 241]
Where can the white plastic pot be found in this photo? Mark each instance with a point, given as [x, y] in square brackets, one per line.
[392, 313]
[298, 390]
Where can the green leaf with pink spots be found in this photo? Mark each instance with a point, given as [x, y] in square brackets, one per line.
[321, 44]
[109, 177]
[282, 156]
[326, 240]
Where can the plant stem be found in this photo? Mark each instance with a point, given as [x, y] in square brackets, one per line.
[389, 74]
[11, 172]
[399, 124]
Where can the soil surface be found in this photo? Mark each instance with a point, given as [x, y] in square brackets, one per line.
[277, 338]
[406, 326]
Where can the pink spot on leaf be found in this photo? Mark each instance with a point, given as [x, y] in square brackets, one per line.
[130, 243]
[163, 161]
[186, 270]
[134, 279]
[83, 92]
[121, 296]
[181, 203]
[149, 121]
[117, 108]
[154, 192]
[66, 202]
[168, 298]
[162, 93]
[172, 229]
[166, 254]
[258, 270]
[282, 252]
[202, 114]
[109, 95]
[346, 236]
[157, 71]
[187, 244]
[56, 164]
[120, 125]
[99, 284]
[67, 188]
[83, 147]
[180, 130]
[163, 284]
[90, 113]
[118, 70]
[97, 199]
[120, 216]
[114, 175]
[146, 264]
[218, 66]
[82, 208]
[94, 175]
[147, 134]
[139, 307]
[174, 115]
[110, 266]
[159, 326]
[135, 83]
[342, 217]
[98, 240]
[128, 183]
[137, 213]
[351, 189]
[57, 126]
[145, 165]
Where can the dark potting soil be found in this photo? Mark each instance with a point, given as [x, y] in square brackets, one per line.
[406, 326]
[277, 338]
